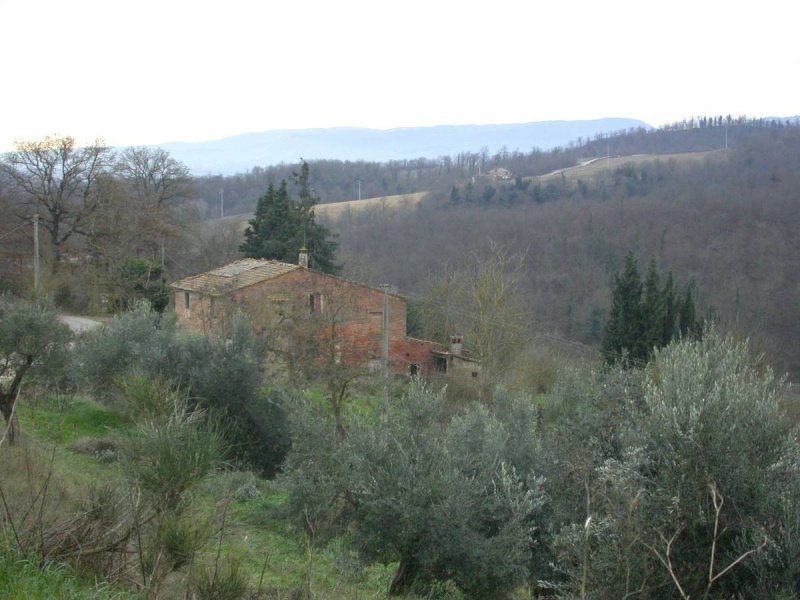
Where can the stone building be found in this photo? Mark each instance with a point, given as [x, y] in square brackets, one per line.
[311, 315]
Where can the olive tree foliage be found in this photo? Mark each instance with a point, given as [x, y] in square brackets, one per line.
[58, 179]
[31, 340]
[222, 376]
[701, 500]
[439, 494]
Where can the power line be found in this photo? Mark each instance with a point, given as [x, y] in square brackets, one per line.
[8, 233]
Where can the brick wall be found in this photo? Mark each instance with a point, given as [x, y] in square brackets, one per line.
[329, 309]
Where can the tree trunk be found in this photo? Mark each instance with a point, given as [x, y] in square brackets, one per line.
[7, 409]
[404, 578]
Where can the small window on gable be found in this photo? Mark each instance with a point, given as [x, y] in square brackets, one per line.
[474, 373]
[186, 300]
[314, 303]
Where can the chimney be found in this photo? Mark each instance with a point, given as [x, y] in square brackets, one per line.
[456, 344]
[303, 259]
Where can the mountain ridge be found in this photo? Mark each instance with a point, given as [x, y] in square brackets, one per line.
[241, 152]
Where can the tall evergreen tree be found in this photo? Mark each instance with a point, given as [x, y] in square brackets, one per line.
[669, 300]
[653, 310]
[281, 227]
[688, 325]
[624, 330]
[315, 236]
[645, 316]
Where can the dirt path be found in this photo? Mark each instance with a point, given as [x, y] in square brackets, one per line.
[79, 324]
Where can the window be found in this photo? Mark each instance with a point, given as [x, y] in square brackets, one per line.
[474, 373]
[413, 369]
[314, 303]
[186, 300]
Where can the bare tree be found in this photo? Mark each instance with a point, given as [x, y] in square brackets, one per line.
[56, 177]
[155, 178]
[482, 301]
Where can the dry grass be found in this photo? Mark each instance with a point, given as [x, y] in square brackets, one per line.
[598, 167]
[334, 210]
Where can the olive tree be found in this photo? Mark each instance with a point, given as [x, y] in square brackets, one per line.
[440, 494]
[703, 500]
[31, 339]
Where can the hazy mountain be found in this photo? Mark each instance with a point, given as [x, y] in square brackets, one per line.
[241, 153]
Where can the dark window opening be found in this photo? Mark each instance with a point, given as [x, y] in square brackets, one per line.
[314, 303]
[440, 364]
[413, 369]
[474, 373]
[186, 299]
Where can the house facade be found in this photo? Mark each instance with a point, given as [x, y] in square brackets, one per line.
[308, 314]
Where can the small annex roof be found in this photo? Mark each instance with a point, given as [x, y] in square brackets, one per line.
[236, 275]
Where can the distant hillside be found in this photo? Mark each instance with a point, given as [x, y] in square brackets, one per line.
[239, 154]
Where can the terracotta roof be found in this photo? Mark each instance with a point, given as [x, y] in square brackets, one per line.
[234, 276]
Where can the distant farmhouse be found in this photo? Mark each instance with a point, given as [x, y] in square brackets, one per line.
[311, 315]
[501, 173]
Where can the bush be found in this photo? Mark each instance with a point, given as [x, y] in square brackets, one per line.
[143, 362]
[225, 580]
[141, 341]
[435, 492]
[144, 397]
[172, 455]
[704, 492]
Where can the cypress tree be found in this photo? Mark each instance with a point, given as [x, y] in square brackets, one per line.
[270, 234]
[688, 325]
[281, 227]
[653, 311]
[623, 333]
[669, 301]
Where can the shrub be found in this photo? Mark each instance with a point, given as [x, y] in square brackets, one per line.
[141, 340]
[144, 397]
[170, 456]
[703, 495]
[147, 362]
[224, 580]
[416, 485]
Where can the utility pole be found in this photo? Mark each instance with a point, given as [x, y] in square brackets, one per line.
[385, 343]
[36, 286]
[359, 189]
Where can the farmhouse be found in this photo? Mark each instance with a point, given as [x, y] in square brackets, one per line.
[312, 315]
[501, 173]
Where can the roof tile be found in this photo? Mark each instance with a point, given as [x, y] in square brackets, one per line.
[239, 274]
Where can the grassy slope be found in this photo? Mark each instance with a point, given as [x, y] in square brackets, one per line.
[257, 539]
[600, 167]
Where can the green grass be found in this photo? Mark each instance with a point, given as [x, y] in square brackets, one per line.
[263, 542]
[272, 553]
[65, 420]
[23, 579]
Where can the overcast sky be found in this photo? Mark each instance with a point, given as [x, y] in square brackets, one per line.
[147, 71]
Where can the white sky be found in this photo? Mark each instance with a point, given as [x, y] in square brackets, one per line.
[154, 71]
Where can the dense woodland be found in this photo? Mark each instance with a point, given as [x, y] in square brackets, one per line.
[336, 180]
[141, 460]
